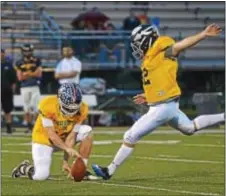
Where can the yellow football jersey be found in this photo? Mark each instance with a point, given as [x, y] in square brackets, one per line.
[159, 73]
[49, 108]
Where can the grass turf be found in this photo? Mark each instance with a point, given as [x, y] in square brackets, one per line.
[192, 166]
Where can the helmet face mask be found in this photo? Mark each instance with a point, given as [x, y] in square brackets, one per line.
[137, 52]
[27, 50]
[27, 54]
[142, 38]
[70, 110]
[70, 99]
[140, 48]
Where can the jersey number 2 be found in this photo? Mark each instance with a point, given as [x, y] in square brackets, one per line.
[145, 74]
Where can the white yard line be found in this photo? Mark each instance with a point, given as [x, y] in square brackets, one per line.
[205, 145]
[168, 156]
[161, 132]
[179, 160]
[107, 142]
[16, 138]
[154, 142]
[15, 152]
[154, 188]
[213, 135]
[18, 144]
[135, 157]
[140, 187]
[119, 132]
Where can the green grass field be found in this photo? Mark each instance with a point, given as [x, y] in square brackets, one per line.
[167, 164]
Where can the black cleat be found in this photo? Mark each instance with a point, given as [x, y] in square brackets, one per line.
[101, 171]
[16, 173]
[9, 128]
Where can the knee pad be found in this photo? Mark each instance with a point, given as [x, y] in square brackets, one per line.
[188, 129]
[40, 174]
[83, 132]
[129, 138]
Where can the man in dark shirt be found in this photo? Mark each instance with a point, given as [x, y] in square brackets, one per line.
[131, 21]
[129, 24]
[29, 73]
[8, 85]
[110, 48]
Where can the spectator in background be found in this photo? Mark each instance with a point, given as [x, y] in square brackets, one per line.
[8, 86]
[68, 70]
[29, 72]
[100, 26]
[131, 21]
[91, 44]
[144, 19]
[129, 24]
[110, 47]
[78, 43]
[156, 21]
[81, 25]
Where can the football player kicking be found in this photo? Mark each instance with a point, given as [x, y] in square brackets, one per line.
[58, 126]
[161, 91]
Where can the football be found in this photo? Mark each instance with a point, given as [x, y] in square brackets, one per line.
[78, 169]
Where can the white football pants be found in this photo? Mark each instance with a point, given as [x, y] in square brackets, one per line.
[171, 114]
[42, 154]
[31, 97]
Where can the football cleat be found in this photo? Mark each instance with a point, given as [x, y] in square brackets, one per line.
[16, 173]
[90, 176]
[101, 171]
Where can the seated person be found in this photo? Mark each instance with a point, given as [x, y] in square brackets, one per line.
[110, 47]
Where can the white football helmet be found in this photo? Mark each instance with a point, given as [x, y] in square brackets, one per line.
[142, 38]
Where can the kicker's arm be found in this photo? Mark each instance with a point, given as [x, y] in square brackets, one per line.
[210, 31]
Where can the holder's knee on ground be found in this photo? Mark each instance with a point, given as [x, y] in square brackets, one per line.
[42, 169]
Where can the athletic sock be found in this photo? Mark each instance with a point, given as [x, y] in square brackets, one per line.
[9, 127]
[85, 161]
[208, 120]
[122, 154]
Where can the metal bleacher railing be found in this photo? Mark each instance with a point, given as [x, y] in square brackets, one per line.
[90, 48]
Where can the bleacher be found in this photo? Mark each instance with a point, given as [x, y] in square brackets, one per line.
[166, 11]
[21, 21]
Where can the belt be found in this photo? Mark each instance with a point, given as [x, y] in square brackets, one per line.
[172, 99]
